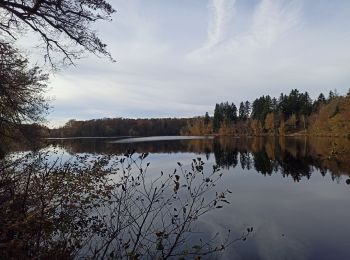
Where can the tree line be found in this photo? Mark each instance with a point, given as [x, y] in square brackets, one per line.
[109, 127]
[289, 113]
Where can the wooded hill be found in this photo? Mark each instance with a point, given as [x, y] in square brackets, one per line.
[291, 114]
[109, 127]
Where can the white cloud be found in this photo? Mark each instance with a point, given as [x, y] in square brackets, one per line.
[221, 13]
[273, 18]
[270, 20]
[281, 46]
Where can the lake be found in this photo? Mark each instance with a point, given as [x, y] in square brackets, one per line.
[295, 192]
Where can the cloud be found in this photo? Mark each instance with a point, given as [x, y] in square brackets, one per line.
[273, 18]
[270, 20]
[177, 60]
[221, 13]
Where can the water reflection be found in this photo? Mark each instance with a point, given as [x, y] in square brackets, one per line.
[292, 157]
[303, 221]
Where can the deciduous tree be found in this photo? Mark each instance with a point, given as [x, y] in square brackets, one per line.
[22, 91]
[64, 26]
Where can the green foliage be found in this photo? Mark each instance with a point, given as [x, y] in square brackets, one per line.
[244, 111]
[261, 107]
[295, 103]
[224, 113]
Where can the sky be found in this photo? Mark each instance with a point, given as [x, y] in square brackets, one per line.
[179, 58]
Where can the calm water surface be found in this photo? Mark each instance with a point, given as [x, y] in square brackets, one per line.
[294, 192]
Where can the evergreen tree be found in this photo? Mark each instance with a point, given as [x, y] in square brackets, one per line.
[217, 117]
[242, 112]
[321, 98]
[318, 102]
[247, 109]
[261, 107]
[206, 119]
[331, 95]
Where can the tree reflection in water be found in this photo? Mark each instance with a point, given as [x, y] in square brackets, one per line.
[294, 157]
[75, 209]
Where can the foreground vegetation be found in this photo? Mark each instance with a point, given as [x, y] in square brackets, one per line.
[106, 207]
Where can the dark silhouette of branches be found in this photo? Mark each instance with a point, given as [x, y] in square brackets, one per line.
[64, 26]
[22, 91]
[106, 207]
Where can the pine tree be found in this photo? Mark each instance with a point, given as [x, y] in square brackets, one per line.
[242, 112]
[247, 109]
[217, 118]
[206, 119]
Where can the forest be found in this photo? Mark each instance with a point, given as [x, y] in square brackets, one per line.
[289, 114]
[111, 127]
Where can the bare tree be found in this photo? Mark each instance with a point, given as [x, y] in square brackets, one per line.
[63, 25]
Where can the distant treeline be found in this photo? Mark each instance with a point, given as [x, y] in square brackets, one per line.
[293, 113]
[109, 127]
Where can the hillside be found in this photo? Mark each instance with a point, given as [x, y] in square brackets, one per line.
[293, 114]
[332, 119]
